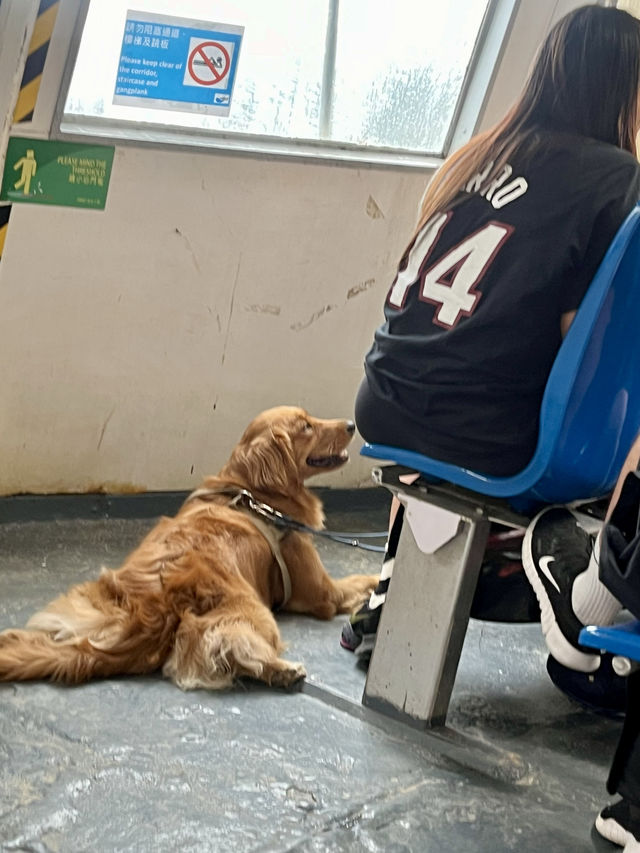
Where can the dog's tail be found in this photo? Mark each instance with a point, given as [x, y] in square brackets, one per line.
[27, 655]
[86, 634]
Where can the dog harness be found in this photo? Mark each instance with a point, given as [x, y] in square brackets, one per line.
[274, 525]
[244, 502]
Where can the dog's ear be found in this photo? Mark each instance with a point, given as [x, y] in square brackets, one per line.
[267, 461]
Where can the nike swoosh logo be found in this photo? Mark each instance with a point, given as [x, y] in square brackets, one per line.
[546, 571]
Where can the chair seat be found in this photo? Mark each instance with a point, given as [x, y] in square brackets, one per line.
[517, 490]
[435, 470]
[464, 502]
[617, 639]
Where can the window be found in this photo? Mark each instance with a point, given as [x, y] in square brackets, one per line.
[339, 74]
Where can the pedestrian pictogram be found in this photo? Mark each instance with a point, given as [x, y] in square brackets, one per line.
[209, 63]
[29, 168]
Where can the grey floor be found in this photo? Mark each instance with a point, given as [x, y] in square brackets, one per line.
[133, 764]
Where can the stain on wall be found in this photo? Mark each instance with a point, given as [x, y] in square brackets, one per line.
[298, 327]
[360, 288]
[373, 209]
[190, 249]
[263, 309]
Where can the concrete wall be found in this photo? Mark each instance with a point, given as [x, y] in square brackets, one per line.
[136, 343]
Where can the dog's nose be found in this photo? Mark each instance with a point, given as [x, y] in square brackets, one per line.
[351, 427]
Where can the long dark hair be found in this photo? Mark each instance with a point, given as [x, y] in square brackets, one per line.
[585, 80]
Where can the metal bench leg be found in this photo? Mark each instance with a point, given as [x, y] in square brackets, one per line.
[423, 625]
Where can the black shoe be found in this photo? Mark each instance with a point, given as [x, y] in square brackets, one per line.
[359, 633]
[555, 551]
[620, 824]
[602, 691]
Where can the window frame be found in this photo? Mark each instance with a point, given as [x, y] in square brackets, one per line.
[482, 67]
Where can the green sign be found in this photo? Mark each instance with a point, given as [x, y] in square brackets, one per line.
[41, 172]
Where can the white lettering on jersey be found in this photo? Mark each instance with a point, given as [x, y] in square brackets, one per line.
[510, 192]
[451, 282]
[418, 256]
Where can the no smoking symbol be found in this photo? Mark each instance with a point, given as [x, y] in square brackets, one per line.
[208, 63]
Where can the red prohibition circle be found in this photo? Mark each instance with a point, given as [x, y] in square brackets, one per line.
[217, 74]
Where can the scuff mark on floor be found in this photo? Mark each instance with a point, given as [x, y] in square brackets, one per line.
[373, 209]
[190, 248]
[298, 327]
[360, 288]
[263, 309]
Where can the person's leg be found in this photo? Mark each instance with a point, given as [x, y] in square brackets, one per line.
[562, 561]
[359, 633]
[592, 602]
[620, 822]
[375, 424]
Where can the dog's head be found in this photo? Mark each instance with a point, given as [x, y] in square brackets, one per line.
[284, 446]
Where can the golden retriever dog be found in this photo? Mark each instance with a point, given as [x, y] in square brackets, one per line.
[196, 597]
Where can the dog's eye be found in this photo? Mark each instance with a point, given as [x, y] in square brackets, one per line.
[306, 427]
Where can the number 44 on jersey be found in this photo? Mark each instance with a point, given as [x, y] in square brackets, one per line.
[450, 283]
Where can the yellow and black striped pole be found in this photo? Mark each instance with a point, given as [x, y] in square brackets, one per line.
[5, 212]
[31, 79]
[38, 48]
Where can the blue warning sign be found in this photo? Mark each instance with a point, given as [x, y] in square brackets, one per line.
[169, 63]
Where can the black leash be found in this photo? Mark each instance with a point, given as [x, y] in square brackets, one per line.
[352, 539]
[279, 519]
[244, 499]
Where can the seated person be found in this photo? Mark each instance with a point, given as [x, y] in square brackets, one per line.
[566, 568]
[511, 232]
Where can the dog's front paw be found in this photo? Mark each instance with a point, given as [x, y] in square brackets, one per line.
[355, 590]
[288, 674]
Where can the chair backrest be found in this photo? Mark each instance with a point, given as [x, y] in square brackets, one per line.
[590, 413]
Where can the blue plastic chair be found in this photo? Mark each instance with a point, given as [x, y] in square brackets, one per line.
[590, 411]
[589, 419]
[622, 640]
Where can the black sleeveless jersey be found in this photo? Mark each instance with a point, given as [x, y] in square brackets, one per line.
[473, 316]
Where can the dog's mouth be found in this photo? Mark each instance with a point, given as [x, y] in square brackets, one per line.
[333, 461]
